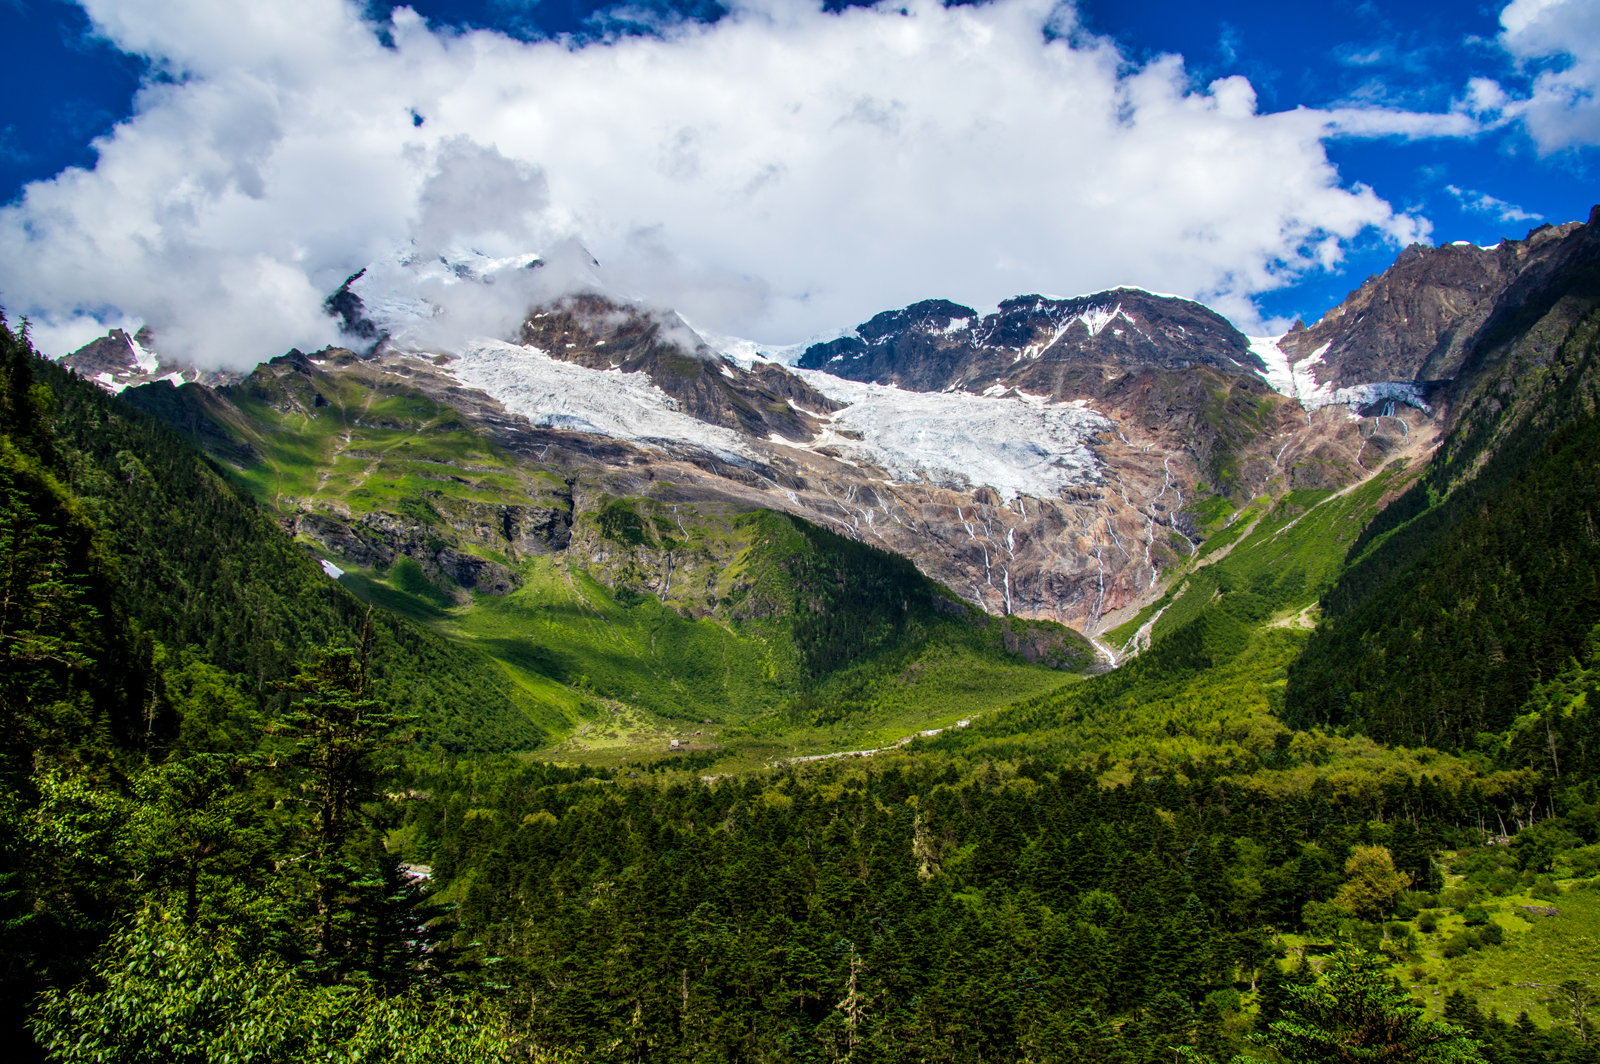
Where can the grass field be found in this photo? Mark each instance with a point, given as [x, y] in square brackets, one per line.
[1538, 952]
[619, 682]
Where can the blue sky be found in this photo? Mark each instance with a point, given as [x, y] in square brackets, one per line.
[70, 78]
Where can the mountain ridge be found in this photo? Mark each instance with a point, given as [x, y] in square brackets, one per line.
[1193, 421]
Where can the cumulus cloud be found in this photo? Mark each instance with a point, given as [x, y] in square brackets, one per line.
[1558, 42]
[780, 173]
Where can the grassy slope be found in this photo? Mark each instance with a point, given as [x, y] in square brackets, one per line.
[1273, 558]
[613, 671]
[373, 447]
[625, 679]
[1539, 952]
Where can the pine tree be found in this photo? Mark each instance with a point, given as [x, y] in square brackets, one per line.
[338, 730]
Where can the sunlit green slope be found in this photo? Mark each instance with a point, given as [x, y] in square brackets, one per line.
[653, 610]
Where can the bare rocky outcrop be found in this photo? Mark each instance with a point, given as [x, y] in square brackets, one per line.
[1034, 343]
[1418, 320]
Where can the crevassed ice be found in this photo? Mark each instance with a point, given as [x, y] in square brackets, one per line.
[561, 395]
[1014, 445]
[1018, 446]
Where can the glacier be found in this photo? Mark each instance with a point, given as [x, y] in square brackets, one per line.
[1297, 381]
[1017, 445]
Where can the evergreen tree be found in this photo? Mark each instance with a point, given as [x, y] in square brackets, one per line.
[338, 729]
[1357, 1013]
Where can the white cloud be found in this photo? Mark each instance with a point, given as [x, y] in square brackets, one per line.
[780, 173]
[1559, 40]
[1483, 203]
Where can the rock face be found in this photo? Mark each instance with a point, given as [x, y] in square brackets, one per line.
[1524, 344]
[1063, 348]
[1417, 320]
[378, 540]
[116, 361]
[114, 353]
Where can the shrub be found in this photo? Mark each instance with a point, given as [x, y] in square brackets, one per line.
[1225, 1000]
[1428, 923]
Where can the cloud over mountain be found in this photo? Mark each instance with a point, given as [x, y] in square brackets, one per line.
[780, 172]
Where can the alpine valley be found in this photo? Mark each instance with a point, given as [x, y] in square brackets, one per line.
[1077, 680]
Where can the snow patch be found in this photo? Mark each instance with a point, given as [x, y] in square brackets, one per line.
[1097, 318]
[1279, 375]
[145, 360]
[331, 569]
[1294, 379]
[1297, 381]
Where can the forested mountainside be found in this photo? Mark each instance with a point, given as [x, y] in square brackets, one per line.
[592, 754]
[159, 627]
[200, 569]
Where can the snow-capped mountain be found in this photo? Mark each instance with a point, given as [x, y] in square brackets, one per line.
[1050, 459]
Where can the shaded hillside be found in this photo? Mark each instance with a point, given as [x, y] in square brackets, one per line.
[1443, 627]
[1484, 578]
[198, 565]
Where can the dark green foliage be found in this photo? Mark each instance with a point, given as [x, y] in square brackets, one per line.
[950, 907]
[163, 992]
[846, 601]
[1450, 614]
[129, 773]
[338, 730]
[408, 576]
[199, 565]
[1355, 1012]
[1518, 1041]
[1212, 639]
[620, 521]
